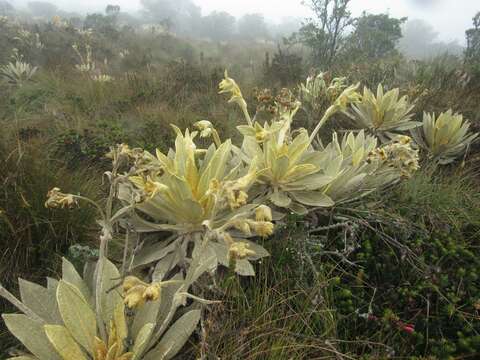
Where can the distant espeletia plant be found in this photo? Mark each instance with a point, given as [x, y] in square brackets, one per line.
[385, 114]
[319, 92]
[445, 138]
[18, 72]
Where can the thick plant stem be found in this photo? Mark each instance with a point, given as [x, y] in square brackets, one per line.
[328, 114]
[216, 138]
[246, 114]
[125, 252]
[105, 237]
[98, 283]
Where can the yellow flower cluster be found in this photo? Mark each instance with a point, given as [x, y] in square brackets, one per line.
[137, 292]
[240, 250]
[57, 199]
[111, 350]
[247, 226]
[399, 155]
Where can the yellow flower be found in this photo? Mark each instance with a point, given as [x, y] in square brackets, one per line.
[348, 96]
[131, 281]
[152, 292]
[227, 238]
[214, 187]
[56, 199]
[150, 187]
[206, 130]
[137, 292]
[243, 226]
[240, 250]
[228, 85]
[263, 213]
[134, 296]
[205, 127]
[382, 154]
[260, 133]
[120, 150]
[262, 228]
[404, 140]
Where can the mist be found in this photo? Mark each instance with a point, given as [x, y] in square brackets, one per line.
[449, 21]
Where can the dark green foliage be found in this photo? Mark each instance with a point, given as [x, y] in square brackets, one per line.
[218, 26]
[324, 34]
[285, 68]
[374, 37]
[89, 146]
[252, 27]
[472, 54]
[32, 237]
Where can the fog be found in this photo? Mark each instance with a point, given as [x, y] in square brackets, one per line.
[448, 19]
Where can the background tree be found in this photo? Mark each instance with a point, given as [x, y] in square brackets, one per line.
[285, 68]
[375, 36]
[182, 15]
[218, 26]
[472, 53]
[252, 26]
[102, 24]
[42, 9]
[112, 10]
[285, 28]
[325, 32]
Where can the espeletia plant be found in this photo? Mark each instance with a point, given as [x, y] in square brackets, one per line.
[184, 213]
[297, 175]
[194, 194]
[113, 311]
[384, 114]
[444, 138]
[18, 71]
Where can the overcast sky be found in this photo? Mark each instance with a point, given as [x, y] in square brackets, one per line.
[449, 17]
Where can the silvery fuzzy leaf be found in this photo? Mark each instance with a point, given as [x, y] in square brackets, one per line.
[77, 315]
[310, 182]
[242, 267]
[110, 292]
[312, 198]
[298, 209]
[153, 253]
[146, 314]
[163, 266]
[166, 306]
[52, 284]
[70, 275]
[31, 335]
[141, 340]
[120, 322]
[89, 276]
[175, 337]
[40, 300]
[64, 343]
[260, 251]
[206, 255]
[280, 199]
